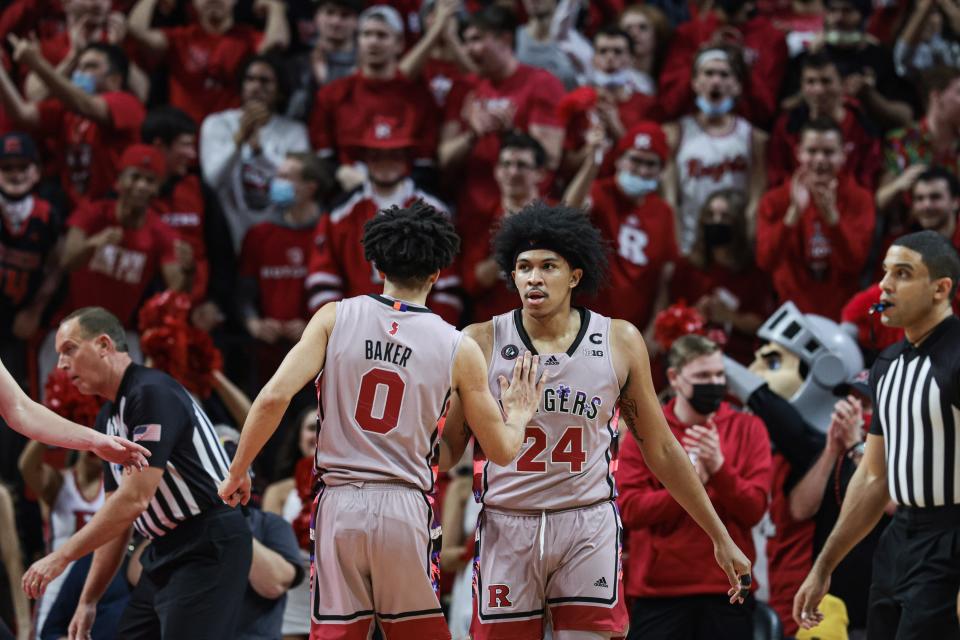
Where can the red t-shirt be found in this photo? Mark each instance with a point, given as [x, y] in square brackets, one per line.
[750, 289]
[204, 66]
[643, 242]
[816, 265]
[670, 555]
[345, 110]
[443, 76]
[276, 256]
[860, 143]
[485, 302]
[765, 52]
[534, 95]
[181, 208]
[117, 276]
[338, 268]
[86, 154]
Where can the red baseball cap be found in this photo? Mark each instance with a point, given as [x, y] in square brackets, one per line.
[144, 156]
[645, 136]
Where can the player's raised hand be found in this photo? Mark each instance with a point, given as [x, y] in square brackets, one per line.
[521, 396]
[121, 451]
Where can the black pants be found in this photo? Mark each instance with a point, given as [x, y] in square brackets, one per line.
[916, 577]
[691, 618]
[193, 581]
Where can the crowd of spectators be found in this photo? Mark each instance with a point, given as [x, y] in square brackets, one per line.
[735, 154]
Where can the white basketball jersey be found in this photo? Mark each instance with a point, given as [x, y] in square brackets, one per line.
[71, 510]
[383, 388]
[708, 163]
[565, 460]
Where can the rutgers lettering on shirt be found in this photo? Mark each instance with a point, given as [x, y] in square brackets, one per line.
[707, 163]
[385, 384]
[565, 460]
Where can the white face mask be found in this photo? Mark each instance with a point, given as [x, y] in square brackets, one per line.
[714, 109]
[613, 80]
[634, 186]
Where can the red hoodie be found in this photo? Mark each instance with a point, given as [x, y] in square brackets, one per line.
[670, 555]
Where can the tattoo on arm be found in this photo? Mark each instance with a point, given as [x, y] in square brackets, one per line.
[630, 412]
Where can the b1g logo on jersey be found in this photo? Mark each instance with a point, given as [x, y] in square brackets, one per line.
[498, 596]
[509, 352]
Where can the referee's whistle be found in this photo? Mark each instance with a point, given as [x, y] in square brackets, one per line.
[879, 307]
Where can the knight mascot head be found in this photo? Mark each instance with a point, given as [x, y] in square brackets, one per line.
[805, 358]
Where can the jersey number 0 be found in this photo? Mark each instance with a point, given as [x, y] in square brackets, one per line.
[370, 383]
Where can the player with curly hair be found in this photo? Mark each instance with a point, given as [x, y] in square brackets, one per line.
[387, 365]
[549, 536]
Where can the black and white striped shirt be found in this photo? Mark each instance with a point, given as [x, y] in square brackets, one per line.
[155, 411]
[917, 411]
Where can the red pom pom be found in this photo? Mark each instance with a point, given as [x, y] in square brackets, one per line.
[168, 307]
[675, 321]
[175, 346]
[63, 398]
[203, 358]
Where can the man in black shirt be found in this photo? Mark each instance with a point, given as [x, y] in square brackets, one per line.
[912, 455]
[195, 570]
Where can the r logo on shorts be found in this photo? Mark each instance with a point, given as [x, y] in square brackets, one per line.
[498, 596]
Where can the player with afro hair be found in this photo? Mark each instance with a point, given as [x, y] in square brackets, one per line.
[553, 506]
[410, 244]
[563, 230]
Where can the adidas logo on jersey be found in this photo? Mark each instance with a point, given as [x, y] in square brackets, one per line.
[552, 360]
[602, 583]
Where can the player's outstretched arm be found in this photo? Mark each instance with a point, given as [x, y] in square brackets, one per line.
[299, 367]
[662, 452]
[862, 507]
[36, 422]
[499, 438]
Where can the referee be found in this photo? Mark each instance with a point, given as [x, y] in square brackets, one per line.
[195, 570]
[912, 455]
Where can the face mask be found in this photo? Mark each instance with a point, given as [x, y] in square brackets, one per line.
[710, 109]
[85, 81]
[613, 80]
[635, 186]
[706, 398]
[282, 192]
[717, 235]
[842, 38]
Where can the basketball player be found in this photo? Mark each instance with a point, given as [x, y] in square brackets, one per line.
[548, 541]
[388, 367]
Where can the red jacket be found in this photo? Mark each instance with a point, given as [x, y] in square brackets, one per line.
[860, 143]
[765, 52]
[820, 284]
[670, 555]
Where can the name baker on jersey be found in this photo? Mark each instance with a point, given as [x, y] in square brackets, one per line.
[388, 352]
[563, 399]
